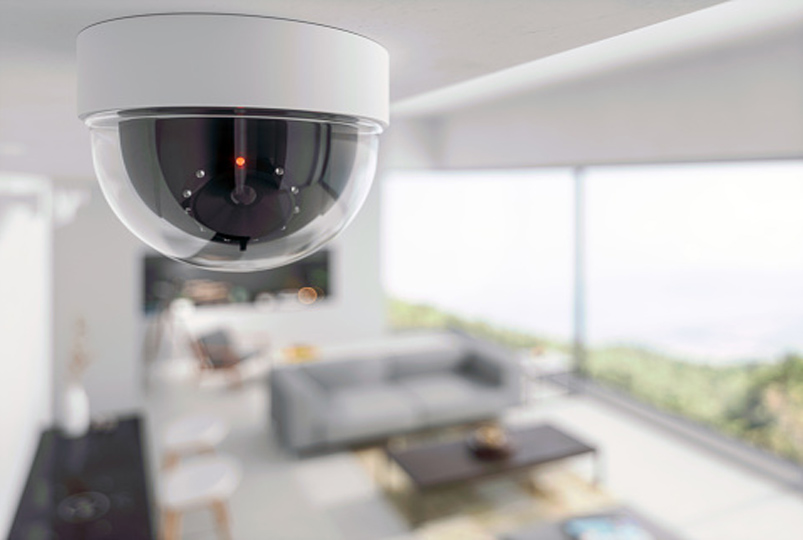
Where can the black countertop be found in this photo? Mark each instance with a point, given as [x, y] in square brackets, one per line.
[88, 488]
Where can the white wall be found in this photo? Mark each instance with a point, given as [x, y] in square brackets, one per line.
[412, 143]
[97, 277]
[737, 100]
[25, 302]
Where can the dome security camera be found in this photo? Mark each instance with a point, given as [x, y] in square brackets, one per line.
[232, 142]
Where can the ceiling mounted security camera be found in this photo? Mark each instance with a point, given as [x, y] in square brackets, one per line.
[232, 142]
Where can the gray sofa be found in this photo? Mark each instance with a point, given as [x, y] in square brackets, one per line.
[369, 397]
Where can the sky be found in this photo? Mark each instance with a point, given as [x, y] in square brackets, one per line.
[704, 261]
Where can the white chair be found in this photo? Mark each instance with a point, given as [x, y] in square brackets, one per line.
[196, 434]
[202, 481]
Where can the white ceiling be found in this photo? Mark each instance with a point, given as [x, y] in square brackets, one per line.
[432, 44]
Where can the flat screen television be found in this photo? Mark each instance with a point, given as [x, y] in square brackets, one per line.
[306, 281]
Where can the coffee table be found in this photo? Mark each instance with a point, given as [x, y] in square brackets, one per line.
[434, 465]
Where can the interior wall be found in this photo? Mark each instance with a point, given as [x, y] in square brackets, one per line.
[97, 278]
[412, 143]
[739, 100]
[25, 302]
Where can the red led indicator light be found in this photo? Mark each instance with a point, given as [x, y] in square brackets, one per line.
[240, 161]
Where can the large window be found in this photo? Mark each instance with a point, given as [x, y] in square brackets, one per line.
[693, 296]
[695, 292]
[492, 249]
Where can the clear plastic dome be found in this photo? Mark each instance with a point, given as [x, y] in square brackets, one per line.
[233, 191]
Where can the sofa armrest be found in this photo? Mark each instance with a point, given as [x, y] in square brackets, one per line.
[484, 370]
[494, 365]
[298, 405]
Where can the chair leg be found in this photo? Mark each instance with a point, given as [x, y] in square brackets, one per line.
[171, 529]
[221, 512]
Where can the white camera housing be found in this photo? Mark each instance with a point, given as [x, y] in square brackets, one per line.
[232, 142]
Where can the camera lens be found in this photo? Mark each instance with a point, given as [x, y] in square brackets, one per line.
[234, 190]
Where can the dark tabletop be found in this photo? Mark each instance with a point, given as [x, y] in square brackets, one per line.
[93, 487]
[438, 464]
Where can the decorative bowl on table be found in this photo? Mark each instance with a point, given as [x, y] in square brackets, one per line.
[490, 442]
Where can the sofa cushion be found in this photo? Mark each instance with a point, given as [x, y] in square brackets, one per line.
[333, 375]
[369, 412]
[449, 398]
[414, 364]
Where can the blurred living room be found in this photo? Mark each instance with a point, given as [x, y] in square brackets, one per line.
[569, 308]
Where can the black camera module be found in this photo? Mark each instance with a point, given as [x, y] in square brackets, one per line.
[238, 180]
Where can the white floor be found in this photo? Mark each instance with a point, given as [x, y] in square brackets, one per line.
[689, 490]
[333, 498]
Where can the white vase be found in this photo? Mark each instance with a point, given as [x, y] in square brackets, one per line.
[75, 411]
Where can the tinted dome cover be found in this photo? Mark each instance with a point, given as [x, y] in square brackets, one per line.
[234, 190]
[186, 170]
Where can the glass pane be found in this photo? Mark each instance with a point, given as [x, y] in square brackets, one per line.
[492, 249]
[694, 292]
